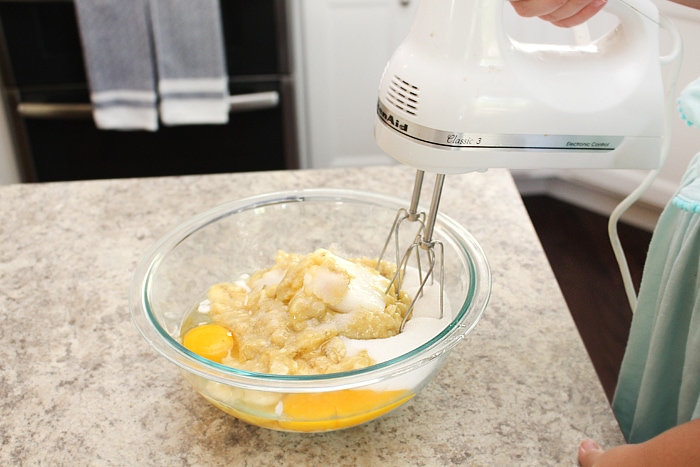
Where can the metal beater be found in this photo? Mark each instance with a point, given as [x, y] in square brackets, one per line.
[422, 244]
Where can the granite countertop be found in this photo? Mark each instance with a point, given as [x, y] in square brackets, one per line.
[79, 386]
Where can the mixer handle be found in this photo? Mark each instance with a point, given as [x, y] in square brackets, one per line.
[641, 11]
[633, 9]
[638, 19]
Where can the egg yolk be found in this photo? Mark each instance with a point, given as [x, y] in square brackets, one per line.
[211, 341]
[338, 409]
[322, 412]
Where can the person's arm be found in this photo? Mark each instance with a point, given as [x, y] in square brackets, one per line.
[678, 446]
[689, 3]
[563, 13]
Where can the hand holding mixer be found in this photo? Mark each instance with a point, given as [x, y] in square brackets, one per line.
[460, 95]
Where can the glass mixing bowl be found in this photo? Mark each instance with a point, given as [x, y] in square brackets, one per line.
[243, 237]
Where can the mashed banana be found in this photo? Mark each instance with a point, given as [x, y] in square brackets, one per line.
[289, 319]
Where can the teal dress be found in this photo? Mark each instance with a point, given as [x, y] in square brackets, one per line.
[659, 382]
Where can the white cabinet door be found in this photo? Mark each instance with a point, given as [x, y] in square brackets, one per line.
[343, 48]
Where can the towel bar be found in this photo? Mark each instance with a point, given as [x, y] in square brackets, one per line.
[238, 103]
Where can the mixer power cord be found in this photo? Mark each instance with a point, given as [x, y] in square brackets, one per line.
[674, 59]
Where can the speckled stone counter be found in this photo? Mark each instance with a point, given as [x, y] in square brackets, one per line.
[79, 386]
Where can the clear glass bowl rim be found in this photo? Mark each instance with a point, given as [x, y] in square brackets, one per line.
[469, 314]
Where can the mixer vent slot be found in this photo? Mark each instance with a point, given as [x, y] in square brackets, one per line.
[403, 95]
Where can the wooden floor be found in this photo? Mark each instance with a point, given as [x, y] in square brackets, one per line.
[577, 246]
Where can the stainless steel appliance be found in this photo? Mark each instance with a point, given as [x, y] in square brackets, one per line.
[46, 94]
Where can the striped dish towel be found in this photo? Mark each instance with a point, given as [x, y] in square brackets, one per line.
[192, 81]
[147, 59]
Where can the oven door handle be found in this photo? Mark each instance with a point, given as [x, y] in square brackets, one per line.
[238, 103]
[254, 101]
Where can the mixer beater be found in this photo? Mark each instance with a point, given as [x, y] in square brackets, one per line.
[422, 245]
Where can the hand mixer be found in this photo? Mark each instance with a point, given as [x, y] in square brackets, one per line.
[460, 95]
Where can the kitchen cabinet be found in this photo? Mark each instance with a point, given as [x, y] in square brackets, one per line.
[342, 48]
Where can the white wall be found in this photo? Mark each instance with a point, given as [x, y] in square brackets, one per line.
[8, 166]
[341, 48]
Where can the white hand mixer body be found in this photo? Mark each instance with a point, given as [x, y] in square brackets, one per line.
[460, 95]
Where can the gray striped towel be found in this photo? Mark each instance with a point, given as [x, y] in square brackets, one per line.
[147, 59]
